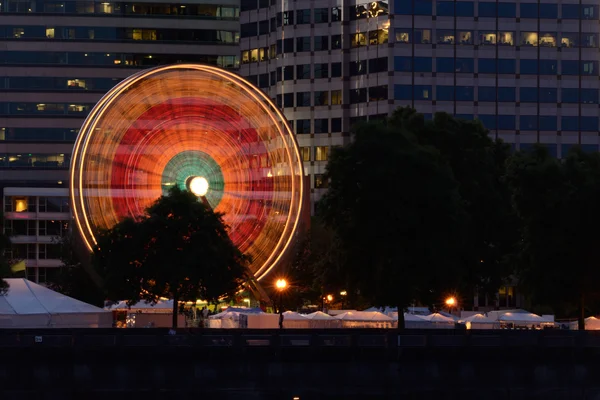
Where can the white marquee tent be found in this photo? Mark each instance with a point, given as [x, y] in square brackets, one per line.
[480, 321]
[364, 319]
[29, 305]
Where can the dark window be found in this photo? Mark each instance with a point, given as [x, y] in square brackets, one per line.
[488, 121]
[570, 11]
[547, 123]
[422, 64]
[506, 122]
[548, 95]
[303, 99]
[248, 30]
[288, 73]
[507, 66]
[422, 92]
[263, 81]
[336, 42]
[358, 68]
[336, 14]
[444, 64]
[589, 11]
[358, 95]
[588, 124]
[569, 67]
[445, 8]
[528, 123]
[487, 65]
[487, 9]
[321, 43]
[288, 100]
[569, 95]
[589, 68]
[321, 71]
[273, 78]
[378, 65]
[321, 98]
[302, 126]
[589, 96]
[486, 93]
[464, 9]
[321, 15]
[263, 3]
[528, 95]
[302, 17]
[377, 93]
[464, 65]
[263, 27]
[548, 67]
[253, 79]
[507, 10]
[444, 93]
[403, 64]
[403, 92]
[303, 71]
[247, 5]
[529, 10]
[529, 67]
[422, 7]
[303, 44]
[336, 124]
[464, 93]
[569, 124]
[507, 94]
[403, 7]
[336, 70]
[548, 10]
[321, 125]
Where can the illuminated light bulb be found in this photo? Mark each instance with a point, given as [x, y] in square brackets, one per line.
[199, 186]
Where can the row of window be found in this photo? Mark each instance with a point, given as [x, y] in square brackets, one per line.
[121, 34]
[318, 125]
[35, 204]
[491, 93]
[45, 109]
[115, 59]
[302, 71]
[365, 10]
[541, 123]
[321, 153]
[496, 10]
[200, 11]
[302, 44]
[334, 97]
[37, 160]
[47, 83]
[493, 38]
[25, 227]
[38, 134]
[33, 251]
[496, 66]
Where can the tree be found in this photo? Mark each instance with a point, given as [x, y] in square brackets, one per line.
[395, 208]
[478, 164]
[180, 250]
[557, 204]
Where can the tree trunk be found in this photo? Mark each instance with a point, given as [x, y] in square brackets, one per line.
[175, 309]
[401, 324]
[581, 317]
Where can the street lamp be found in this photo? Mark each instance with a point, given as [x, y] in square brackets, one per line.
[281, 285]
[343, 293]
[450, 302]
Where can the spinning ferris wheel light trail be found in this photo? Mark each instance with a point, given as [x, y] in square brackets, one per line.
[202, 129]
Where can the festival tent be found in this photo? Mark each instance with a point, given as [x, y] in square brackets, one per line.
[479, 321]
[320, 320]
[294, 320]
[29, 305]
[592, 324]
[230, 318]
[161, 306]
[439, 321]
[528, 320]
[364, 319]
[411, 321]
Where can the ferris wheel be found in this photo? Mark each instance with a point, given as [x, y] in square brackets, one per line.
[202, 129]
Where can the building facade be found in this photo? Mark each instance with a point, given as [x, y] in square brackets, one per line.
[59, 57]
[528, 70]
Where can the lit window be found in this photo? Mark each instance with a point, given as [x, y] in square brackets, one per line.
[76, 84]
[506, 38]
[50, 33]
[336, 97]
[20, 204]
[321, 153]
[18, 32]
[305, 153]
[529, 39]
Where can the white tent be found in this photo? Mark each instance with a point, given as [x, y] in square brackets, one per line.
[528, 320]
[438, 321]
[365, 319]
[411, 321]
[294, 320]
[592, 324]
[230, 318]
[29, 305]
[320, 320]
[479, 321]
[161, 306]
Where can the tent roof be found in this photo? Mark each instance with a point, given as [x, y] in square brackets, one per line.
[143, 305]
[477, 318]
[26, 298]
[318, 315]
[363, 316]
[293, 316]
[437, 317]
[521, 317]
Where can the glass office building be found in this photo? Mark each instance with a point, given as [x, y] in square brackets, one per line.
[527, 70]
[57, 59]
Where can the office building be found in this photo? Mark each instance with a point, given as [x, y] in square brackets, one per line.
[57, 59]
[528, 69]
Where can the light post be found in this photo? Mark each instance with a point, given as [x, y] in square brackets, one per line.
[281, 285]
[343, 293]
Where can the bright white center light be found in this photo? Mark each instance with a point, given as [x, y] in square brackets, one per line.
[199, 186]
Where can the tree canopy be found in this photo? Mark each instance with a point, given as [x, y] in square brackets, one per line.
[478, 164]
[395, 207]
[179, 249]
[557, 205]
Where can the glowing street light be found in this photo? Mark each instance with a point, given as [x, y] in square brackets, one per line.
[450, 301]
[343, 293]
[281, 285]
[199, 186]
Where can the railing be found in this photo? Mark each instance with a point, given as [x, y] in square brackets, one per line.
[367, 339]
